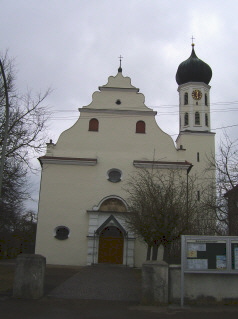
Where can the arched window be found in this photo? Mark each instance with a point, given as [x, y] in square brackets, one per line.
[186, 119]
[140, 127]
[197, 118]
[113, 204]
[206, 119]
[93, 125]
[186, 98]
[206, 102]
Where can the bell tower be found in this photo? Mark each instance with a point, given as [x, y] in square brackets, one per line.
[195, 142]
[193, 76]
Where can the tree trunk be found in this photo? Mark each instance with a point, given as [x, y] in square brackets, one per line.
[155, 252]
[5, 138]
[148, 252]
[166, 254]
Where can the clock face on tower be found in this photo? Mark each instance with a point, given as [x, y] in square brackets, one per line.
[197, 95]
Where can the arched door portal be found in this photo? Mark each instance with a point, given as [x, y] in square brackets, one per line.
[111, 242]
[110, 238]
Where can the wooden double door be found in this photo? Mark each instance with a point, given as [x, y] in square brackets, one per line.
[111, 242]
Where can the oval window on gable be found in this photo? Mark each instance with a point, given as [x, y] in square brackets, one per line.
[140, 127]
[114, 175]
[93, 125]
[61, 232]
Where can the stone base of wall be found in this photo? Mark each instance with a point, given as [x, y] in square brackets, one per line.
[155, 283]
[161, 284]
[202, 288]
[29, 276]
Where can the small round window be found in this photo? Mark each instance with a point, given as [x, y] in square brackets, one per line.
[61, 232]
[118, 102]
[114, 175]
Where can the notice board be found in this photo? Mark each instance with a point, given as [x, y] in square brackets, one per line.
[208, 254]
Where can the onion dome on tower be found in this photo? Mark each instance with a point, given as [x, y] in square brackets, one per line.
[193, 70]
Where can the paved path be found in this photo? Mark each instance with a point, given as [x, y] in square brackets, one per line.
[102, 282]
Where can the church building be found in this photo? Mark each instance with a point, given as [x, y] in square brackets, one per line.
[83, 201]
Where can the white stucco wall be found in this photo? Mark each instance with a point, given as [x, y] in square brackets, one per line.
[68, 191]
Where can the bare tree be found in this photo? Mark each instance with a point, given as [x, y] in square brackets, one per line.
[226, 166]
[22, 122]
[4, 93]
[164, 205]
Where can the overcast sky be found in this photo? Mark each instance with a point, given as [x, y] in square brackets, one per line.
[73, 47]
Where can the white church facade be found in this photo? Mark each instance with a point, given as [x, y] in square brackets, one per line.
[83, 201]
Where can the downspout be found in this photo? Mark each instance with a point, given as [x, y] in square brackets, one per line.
[94, 238]
[126, 248]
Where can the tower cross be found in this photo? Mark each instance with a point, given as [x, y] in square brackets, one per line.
[192, 38]
[120, 57]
